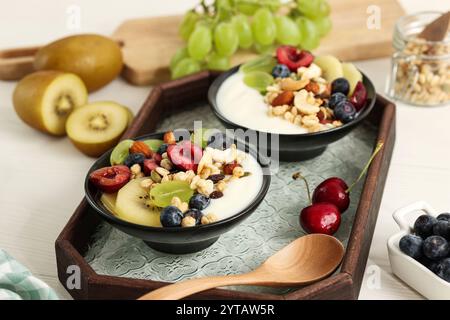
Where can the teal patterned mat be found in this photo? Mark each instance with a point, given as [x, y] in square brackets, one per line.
[272, 226]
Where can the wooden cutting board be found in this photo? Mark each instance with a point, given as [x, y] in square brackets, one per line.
[149, 43]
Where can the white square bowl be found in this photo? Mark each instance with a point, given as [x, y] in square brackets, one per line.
[408, 269]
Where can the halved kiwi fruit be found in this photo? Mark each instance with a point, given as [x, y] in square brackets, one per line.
[97, 127]
[45, 99]
[352, 74]
[109, 201]
[132, 205]
[331, 67]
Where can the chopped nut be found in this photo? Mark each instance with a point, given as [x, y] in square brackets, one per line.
[135, 168]
[313, 71]
[209, 218]
[302, 103]
[289, 116]
[280, 110]
[175, 202]
[205, 173]
[146, 183]
[166, 164]
[184, 206]
[164, 155]
[205, 187]
[289, 84]
[166, 178]
[180, 176]
[188, 221]
[163, 172]
[221, 186]
[310, 121]
[194, 182]
[298, 120]
[238, 172]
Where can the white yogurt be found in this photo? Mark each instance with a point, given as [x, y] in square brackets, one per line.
[246, 107]
[240, 192]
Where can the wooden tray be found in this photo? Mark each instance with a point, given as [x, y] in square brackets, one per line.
[76, 237]
[149, 43]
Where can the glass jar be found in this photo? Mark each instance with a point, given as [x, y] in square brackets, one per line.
[420, 73]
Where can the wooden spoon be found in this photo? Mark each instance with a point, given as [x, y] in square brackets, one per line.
[436, 30]
[307, 259]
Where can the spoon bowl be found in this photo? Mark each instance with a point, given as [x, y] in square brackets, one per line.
[305, 260]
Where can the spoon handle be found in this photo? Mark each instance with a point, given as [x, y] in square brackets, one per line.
[186, 288]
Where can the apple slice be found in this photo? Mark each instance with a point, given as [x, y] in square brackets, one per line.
[45, 99]
[353, 76]
[331, 67]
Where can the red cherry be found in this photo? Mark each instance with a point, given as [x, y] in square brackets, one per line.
[359, 96]
[294, 58]
[185, 155]
[320, 218]
[156, 157]
[149, 165]
[110, 179]
[334, 191]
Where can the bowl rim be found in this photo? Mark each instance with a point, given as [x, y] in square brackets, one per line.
[111, 218]
[217, 83]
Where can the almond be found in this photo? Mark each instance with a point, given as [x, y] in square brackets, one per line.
[290, 84]
[141, 147]
[229, 167]
[169, 138]
[284, 98]
[313, 87]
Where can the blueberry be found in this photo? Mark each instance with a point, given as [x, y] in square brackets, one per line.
[281, 71]
[443, 269]
[442, 228]
[444, 216]
[335, 99]
[411, 245]
[134, 158]
[194, 213]
[345, 111]
[171, 217]
[199, 202]
[163, 148]
[435, 248]
[423, 226]
[430, 264]
[340, 85]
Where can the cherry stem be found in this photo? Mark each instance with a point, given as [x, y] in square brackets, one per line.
[297, 176]
[363, 172]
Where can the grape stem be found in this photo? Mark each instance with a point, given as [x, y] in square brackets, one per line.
[297, 176]
[363, 172]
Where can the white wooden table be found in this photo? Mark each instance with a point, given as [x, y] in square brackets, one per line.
[43, 177]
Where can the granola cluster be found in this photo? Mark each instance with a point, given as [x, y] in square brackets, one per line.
[302, 99]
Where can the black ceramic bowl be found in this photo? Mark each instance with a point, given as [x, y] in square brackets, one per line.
[295, 147]
[173, 240]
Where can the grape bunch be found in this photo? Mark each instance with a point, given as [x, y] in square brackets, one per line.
[215, 30]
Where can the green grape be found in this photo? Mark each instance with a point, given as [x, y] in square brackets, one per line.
[161, 195]
[323, 25]
[314, 8]
[226, 39]
[188, 24]
[264, 63]
[154, 144]
[247, 7]
[200, 42]
[270, 49]
[223, 4]
[263, 27]
[258, 80]
[120, 152]
[287, 31]
[179, 55]
[185, 67]
[243, 30]
[218, 62]
[309, 36]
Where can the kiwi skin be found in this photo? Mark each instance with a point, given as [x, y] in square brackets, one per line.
[28, 98]
[96, 59]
